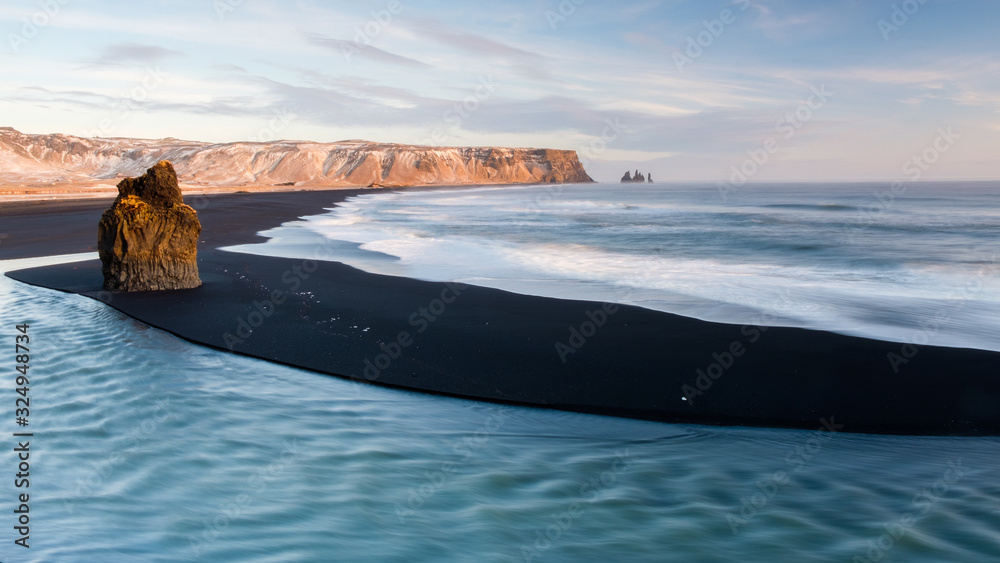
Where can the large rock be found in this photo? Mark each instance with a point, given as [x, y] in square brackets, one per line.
[148, 239]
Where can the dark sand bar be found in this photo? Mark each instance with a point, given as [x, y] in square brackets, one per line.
[493, 345]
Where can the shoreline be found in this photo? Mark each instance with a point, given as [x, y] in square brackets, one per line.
[56, 191]
[21, 194]
[487, 344]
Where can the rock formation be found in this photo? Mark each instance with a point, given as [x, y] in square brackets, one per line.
[297, 163]
[148, 239]
[637, 178]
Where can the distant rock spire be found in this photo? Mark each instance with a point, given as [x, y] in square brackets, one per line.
[639, 177]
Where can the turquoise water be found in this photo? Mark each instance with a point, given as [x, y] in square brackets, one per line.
[148, 448]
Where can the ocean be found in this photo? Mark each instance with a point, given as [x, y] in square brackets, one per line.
[149, 448]
[857, 259]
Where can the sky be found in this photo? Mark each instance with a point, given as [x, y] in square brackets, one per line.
[687, 90]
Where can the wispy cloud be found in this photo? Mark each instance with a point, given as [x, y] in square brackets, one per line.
[470, 42]
[123, 53]
[527, 63]
[351, 49]
[554, 87]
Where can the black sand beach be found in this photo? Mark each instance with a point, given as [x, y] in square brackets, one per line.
[493, 345]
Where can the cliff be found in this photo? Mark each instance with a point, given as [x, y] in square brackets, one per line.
[64, 158]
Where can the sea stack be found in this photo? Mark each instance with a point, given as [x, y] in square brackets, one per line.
[148, 239]
[639, 178]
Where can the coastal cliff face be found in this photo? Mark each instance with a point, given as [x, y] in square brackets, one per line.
[66, 158]
[148, 239]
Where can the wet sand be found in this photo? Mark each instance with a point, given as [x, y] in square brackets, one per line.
[493, 345]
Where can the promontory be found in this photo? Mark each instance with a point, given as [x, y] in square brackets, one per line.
[60, 158]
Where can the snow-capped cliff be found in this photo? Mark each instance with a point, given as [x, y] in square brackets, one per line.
[64, 158]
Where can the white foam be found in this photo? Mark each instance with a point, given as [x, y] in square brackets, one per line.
[450, 236]
[25, 263]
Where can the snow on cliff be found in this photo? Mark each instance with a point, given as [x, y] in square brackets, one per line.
[65, 158]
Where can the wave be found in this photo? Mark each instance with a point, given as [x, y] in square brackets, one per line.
[812, 207]
[677, 253]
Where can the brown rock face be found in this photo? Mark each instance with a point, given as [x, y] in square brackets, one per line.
[43, 158]
[148, 239]
[158, 187]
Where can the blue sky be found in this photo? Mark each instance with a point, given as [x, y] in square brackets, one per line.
[692, 88]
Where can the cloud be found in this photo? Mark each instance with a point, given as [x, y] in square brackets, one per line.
[343, 106]
[556, 87]
[367, 89]
[228, 67]
[77, 99]
[978, 99]
[351, 49]
[470, 42]
[718, 131]
[527, 63]
[125, 53]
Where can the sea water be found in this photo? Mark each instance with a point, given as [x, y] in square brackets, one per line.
[149, 448]
[907, 263]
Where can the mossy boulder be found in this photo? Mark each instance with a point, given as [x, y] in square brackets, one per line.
[148, 239]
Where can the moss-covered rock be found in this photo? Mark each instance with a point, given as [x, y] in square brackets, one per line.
[148, 239]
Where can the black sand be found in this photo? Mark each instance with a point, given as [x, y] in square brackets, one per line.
[488, 344]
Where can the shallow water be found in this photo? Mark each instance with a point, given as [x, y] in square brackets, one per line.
[918, 266]
[149, 448]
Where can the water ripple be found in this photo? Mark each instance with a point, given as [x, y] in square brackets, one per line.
[153, 449]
